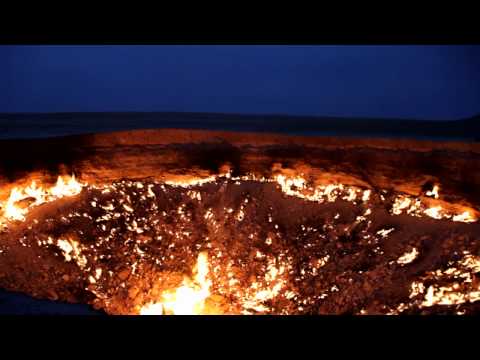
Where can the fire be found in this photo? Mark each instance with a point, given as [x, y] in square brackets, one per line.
[415, 207]
[72, 251]
[297, 186]
[70, 188]
[465, 217]
[408, 257]
[434, 212]
[191, 181]
[288, 183]
[38, 195]
[400, 204]
[261, 291]
[433, 193]
[450, 294]
[11, 211]
[266, 292]
[34, 191]
[189, 298]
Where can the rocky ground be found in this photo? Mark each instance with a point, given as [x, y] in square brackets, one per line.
[136, 228]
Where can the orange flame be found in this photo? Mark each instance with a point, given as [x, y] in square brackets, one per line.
[40, 195]
[189, 298]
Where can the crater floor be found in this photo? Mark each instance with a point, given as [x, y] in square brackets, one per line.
[121, 246]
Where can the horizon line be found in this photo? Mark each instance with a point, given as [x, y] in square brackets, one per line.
[283, 115]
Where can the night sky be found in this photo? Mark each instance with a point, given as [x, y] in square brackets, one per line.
[418, 82]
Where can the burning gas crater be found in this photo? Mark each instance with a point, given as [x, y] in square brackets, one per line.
[243, 245]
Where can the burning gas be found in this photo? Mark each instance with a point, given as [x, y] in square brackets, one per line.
[37, 195]
[189, 298]
[212, 275]
[457, 286]
[296, 186]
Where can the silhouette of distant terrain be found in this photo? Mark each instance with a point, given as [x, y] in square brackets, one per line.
[35, 125]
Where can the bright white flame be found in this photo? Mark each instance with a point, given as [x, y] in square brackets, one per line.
[193, 181]
[70, 188]
[400, 204]
[11, 211]
[465, 217]
[35, 192]
[152, 309]
[189, 298]
[434, 212]
[434, 192]
[39, 195]
[366, 195]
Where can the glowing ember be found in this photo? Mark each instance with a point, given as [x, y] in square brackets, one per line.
[408, 257]
[385, 232]
[71, 250]
[261, 291]
[366, 195]
[417, 288]
[455, 293]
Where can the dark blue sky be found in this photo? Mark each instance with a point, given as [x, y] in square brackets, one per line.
[424, 82]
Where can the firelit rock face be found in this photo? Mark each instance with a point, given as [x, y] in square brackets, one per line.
[180, 222]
